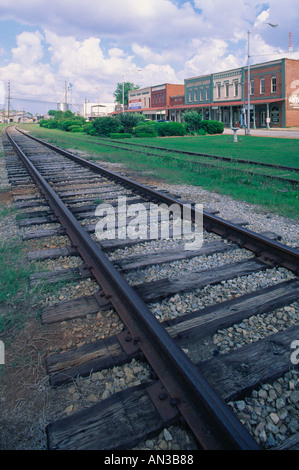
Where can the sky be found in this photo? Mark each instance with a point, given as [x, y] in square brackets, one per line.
[93, 44]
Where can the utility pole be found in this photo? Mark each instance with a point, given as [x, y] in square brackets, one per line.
[65, 92]
[8, 102]
[290, 42]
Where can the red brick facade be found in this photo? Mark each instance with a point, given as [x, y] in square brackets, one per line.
[274, 97]
[177, 100]
[274, 93]
[292, 92]
[161, 94]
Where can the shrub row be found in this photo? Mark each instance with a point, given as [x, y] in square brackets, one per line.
[212, 127]
[64, 124]
[125, 125]
[195, 124]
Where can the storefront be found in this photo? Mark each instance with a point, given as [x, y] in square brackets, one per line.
[266, 114]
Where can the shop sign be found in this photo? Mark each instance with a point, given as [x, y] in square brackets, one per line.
[274, 116]
[135, 104]
[293, 99]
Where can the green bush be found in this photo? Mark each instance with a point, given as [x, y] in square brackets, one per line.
[212, 127]
[43, 122]
[67, 124]
[145, 131]
[75, 129]
[130, 120]
[52, 124]
[118, 135]
[62, 120]
[171, 129]
[193, 120]
[87, 128]
[105, 126]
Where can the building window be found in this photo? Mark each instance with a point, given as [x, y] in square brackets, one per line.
[195, 94]
[273, 85]
[236, 89]
[201, 95]
[226, 90]
[207, 94]
[190, 96]
[262, 86]
[218, 91]
[252, 87]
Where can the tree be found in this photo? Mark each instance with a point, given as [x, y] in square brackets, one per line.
[105, 126]
[118, 93]
[192, 120]
[129, 120]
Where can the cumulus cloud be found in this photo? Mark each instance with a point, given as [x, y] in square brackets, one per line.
[29, 48]
[95, 44]
[209, 56]
[2, 93]
[108, 19]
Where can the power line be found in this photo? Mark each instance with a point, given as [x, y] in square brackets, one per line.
[275, 53]
[37, 101]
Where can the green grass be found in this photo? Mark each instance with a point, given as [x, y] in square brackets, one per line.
[14, 281]
[18, 299]
[260, 149]
[224, 178]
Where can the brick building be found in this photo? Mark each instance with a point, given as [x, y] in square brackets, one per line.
[274, 96]
[266, 94]
[140, 98]
[273, 89]
[161, 99]
[291, 93]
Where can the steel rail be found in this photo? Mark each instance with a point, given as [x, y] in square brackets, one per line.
[216, 157]
[210, 419]
[267, 250]
[197, 163]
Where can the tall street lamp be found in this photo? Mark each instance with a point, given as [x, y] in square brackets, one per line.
[248, 68]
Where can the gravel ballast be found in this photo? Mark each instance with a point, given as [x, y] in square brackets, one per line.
[271, 412]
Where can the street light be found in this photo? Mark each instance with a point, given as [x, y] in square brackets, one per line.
[248, 67]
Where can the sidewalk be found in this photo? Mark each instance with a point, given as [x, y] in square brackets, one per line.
[287, 133]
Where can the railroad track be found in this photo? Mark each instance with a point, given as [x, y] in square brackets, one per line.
[250, 167]
[181, 387]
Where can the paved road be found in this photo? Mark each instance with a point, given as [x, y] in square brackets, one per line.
[282, 133]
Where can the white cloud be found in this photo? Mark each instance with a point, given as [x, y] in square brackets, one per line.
[2, 93]
[29, 49]
[95, 44]
[154, 74]
[136, 19]
[210, 56]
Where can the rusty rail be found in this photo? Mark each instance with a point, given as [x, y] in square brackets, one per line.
[208, 416]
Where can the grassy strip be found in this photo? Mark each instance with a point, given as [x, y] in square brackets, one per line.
[196, 160]
[14, 280]
[259, 149]
[279, 197]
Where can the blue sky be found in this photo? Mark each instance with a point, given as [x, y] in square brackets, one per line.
[95, 44]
